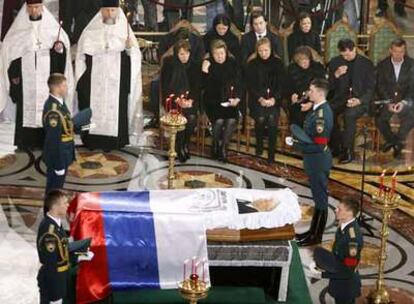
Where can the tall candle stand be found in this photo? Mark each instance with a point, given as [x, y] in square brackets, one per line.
[387, 201]
[172, 122]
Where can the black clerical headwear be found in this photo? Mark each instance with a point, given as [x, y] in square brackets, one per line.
[110, 3]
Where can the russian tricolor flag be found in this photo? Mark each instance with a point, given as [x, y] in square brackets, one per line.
[134, 247]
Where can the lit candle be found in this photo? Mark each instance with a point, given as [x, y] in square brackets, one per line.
[193, 262]
[395, 96]
[350, 92]
[394, 182]
[231, 92]
[186, 94]
[382, 181]
[204, 270]
[268, 93]
[167, 104]
[185, 270]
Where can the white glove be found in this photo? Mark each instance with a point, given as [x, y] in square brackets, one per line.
[289, 140]
[86, 257]
[60, 172]
[314, 271]
[60, 301]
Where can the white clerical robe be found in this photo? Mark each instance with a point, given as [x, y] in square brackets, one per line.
[32, 41]
[105, 43]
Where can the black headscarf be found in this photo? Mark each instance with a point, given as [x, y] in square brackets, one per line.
[229, 38]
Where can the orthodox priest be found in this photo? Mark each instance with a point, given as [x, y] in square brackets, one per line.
[35, 47]
[108, 73]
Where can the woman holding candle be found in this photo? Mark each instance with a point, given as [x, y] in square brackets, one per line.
[265, 76]
[180, 83]
[301, 72]
[221, 80]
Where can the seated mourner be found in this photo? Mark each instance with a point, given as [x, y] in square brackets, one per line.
[265, 76]
[395, 84]
[352, 82]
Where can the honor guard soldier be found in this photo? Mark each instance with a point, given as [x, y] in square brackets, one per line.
[59, 147]
[341, 265]
[53, 250]
[313, 140]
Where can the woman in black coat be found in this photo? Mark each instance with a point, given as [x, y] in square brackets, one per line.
[301, 72]
[221, 81]
[303, 35]
[181, 76]
[221, 31]
[265, 78]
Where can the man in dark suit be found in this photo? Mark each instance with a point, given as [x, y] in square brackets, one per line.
[341, 265]
[395, 82]
[312, 141]
[59, 147]
[352, 82]
[259, 30]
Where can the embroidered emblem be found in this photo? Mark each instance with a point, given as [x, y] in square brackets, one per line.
[53, 122]
[50, 246]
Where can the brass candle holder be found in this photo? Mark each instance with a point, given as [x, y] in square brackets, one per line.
[387, 201]
[172, 122]
[193, 289]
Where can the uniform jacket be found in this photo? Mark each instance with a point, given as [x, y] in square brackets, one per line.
[52, 248]
[59, 147]
[345, 283]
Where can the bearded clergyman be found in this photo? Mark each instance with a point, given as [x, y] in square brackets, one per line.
[34, 48]
[108, 73]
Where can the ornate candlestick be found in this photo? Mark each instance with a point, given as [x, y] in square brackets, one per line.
[387, 201]
[193, 289]
[172, 122]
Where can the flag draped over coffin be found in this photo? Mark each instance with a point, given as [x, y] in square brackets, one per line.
[134, 246]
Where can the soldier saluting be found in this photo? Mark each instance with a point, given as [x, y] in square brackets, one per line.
[53, 249]
[313, 141]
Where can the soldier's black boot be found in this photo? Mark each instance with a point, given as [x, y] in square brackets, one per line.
[317, 228]
[347, 157]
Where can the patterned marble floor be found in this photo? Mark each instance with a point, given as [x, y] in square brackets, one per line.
[22, 180]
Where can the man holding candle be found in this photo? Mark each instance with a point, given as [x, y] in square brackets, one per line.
[313, 140]
[340, 265]
[352, 83]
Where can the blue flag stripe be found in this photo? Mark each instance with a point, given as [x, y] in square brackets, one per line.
[130, 241]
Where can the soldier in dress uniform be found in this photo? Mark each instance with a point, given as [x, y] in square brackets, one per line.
[59, 147]
[341, 265]
[53, 249]
[313, 140]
